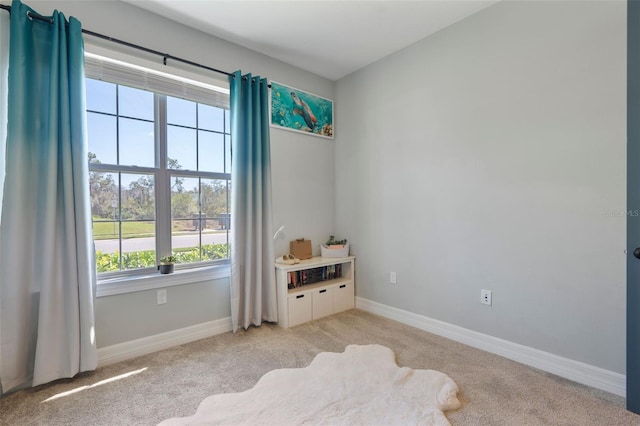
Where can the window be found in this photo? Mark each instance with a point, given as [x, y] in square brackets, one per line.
[159, 171]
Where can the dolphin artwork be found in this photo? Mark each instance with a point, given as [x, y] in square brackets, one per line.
[301, 108]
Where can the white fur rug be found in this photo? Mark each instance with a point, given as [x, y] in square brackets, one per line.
[362, 386]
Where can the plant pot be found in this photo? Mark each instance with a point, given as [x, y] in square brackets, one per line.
[166, 268]
[335, 246]
[329, 251]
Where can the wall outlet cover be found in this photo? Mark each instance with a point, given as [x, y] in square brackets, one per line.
[485, 297]
[161, 297]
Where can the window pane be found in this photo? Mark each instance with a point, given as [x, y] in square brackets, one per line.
[227, 121]
[185, 219]
[181, 112]
[185, 195]
[101, 131]
[135, 103]
[181, 148]
[138, 197]
[199, 236]
[122, 236]
[217, 250]
[138, 244]
[210, 151]
[103, 190]
[210, 118]
[214, 199]
[101, 96]
[185, 245]
[215, 235]
[138, 221]
[106, 233]
[136, 143]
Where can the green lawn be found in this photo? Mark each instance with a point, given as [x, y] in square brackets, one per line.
[104, 230]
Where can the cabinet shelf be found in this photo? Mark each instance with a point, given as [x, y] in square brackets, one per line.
[311, 301]
[314, 262]
[326, 283]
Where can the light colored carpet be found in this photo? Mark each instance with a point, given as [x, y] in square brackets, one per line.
[361, 386]
[173, 382]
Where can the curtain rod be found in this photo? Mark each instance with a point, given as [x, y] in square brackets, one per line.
[165, 56]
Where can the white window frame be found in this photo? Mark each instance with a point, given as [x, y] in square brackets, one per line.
[119, 68]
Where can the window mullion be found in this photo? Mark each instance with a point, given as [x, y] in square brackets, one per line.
[163, 187]
[119, 201]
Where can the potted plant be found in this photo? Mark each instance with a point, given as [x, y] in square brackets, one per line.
[334, 244]
[334, 248]
[166, 264]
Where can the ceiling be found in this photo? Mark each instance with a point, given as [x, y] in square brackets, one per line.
[328, 38]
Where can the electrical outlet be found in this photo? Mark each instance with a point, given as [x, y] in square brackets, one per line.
[161, 296]
[392, 278]
[485, 297]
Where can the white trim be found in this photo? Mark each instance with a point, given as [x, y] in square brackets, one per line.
[576, 371]
[157, 280]
[146, 345]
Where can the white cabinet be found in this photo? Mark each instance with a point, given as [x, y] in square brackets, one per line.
[314, 288]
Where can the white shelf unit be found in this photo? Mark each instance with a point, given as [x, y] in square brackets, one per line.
[312, 301]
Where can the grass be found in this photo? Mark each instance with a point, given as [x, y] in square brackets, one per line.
[105, 230]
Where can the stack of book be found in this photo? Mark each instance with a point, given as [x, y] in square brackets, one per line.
[309, 276]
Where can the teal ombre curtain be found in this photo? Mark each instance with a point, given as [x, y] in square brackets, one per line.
[253, 287]
[4, 71]
[47, 273]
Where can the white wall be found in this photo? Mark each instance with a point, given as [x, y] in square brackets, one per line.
[490, 155]
[303, 177]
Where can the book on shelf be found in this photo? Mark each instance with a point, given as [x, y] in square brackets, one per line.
[297, 279]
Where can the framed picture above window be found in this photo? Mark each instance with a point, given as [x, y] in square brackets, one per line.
[299, 111]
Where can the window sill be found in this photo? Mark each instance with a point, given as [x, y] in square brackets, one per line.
[132, 284]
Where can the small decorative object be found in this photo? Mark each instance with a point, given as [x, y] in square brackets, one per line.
[300, 248]
[334, 248]
[288, 259]
[166, 264]
[299, 111]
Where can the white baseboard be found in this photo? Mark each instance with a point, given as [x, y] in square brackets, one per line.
[576, 371]
[146, 345]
